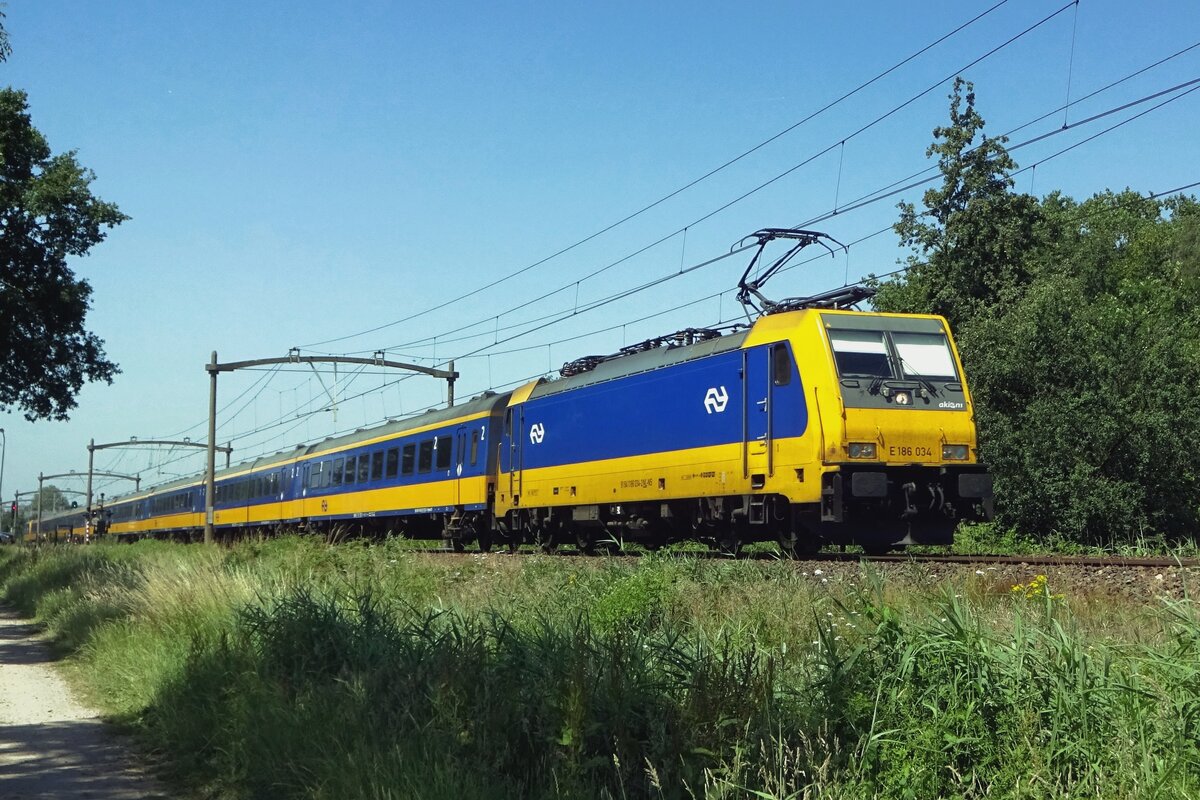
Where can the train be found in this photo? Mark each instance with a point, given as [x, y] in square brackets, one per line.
[809, 427]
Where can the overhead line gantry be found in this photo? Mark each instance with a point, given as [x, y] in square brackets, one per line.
[293, 357]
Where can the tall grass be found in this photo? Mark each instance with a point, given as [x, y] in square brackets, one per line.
[292, 669]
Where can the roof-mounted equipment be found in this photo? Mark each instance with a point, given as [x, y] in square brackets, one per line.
[681, 338]
[752, 299]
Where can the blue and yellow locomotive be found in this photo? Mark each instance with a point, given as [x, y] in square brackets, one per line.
[812, 426]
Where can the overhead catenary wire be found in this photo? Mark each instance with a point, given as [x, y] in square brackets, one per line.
[676, 192]
[889, 191]
[754, 190]
[567, 313]
[851, 207]
[625, 293]
[587, 307]
[859, 201]
[673, 275]
[520, 381]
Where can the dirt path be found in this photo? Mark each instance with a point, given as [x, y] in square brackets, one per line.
[50, 746]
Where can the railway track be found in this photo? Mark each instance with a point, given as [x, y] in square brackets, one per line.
[1041, 560]
[1045, 560]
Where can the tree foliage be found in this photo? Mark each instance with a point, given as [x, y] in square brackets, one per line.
[970, 239]
[1080, 334]
[47, 215]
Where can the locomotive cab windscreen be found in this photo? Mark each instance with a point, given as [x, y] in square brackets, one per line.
[888, 362]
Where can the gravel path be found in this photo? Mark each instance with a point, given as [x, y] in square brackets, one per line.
[50, 746]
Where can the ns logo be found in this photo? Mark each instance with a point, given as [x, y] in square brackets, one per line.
[715, 400]
[537, 432]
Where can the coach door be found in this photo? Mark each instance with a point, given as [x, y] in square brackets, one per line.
[460, 455]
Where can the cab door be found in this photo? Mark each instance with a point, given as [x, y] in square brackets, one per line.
[756, 416]
[514, 425]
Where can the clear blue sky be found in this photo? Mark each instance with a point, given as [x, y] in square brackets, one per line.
[300, 171]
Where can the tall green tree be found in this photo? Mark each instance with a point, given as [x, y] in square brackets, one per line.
[1080, 335]
[48, 214]
[969, 241]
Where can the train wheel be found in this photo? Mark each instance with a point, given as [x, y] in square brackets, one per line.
[796, 544]
[730, 537]
[585, 541]
[483, 534]
[544, 537]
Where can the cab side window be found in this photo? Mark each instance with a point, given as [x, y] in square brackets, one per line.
[781, 364]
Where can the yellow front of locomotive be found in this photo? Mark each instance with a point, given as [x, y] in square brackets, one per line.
[899, 457]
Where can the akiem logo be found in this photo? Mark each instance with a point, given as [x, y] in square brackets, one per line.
[715, 400]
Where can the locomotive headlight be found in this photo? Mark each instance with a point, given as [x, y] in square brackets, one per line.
[862, 450]
[954, 452]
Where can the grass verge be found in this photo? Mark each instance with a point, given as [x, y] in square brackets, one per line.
[293, 669]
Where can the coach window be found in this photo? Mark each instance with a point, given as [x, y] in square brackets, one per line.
[351, 471]
[408, 460]
[393, 461]
[425, 456]
[364, 468]
[314, 475]
[445, 449]
[377, 465]
[338, 466]
[326, 473]
[781, 364]
[474, 447]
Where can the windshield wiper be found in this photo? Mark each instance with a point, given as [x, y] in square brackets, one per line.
[907, 371]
